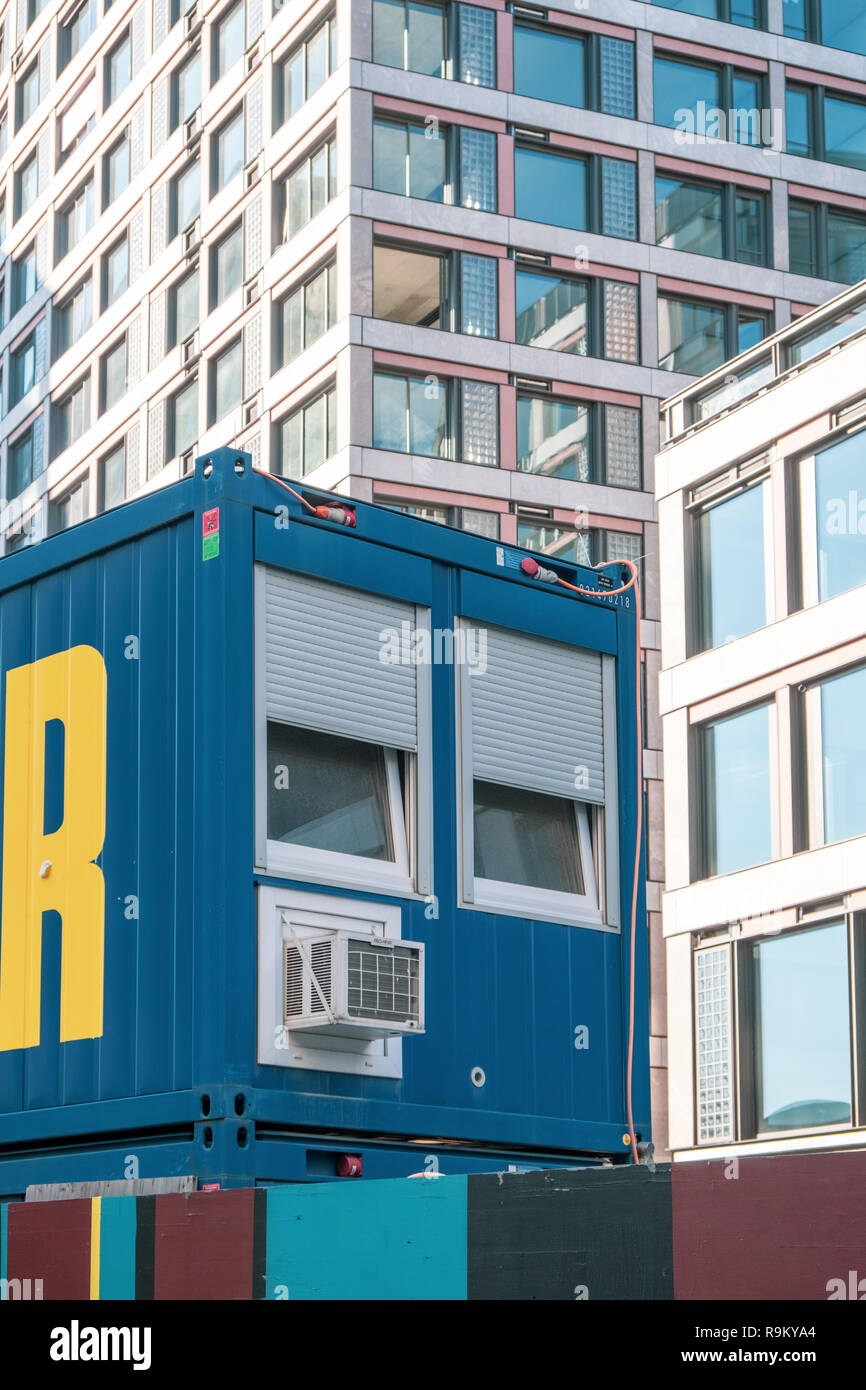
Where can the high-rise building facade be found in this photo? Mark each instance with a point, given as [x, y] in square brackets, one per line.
[447, 257]
[762, 526]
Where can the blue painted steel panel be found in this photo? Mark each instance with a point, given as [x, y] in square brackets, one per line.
[176, 634]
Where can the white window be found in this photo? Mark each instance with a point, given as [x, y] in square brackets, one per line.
[538, 764]
[343, 776]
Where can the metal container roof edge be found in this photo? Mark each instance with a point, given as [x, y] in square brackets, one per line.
[262, 492]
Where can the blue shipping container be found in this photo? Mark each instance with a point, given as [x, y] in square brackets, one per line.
[318, 840]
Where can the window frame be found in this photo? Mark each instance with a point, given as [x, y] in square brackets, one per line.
[704, 841]
[119, 446]
[63, 403]
[213, 417]
[21, 85]
[175, 118]
[66, 212]
[410, 806]
[283, 203]
[817, 95]
[217, 72]
[731, 312]
[729, 222]
[326, 268]
[109, 197]
[282, 111]
[172, 451]
[812, 812]
[328, 393]
[596, 836]
[727, 73]
[65, 306]
[106, 300]
[220, 245]
[124, 39]
[68, 32]
[455, 428]
[238, 116]
[592, 61]
[736, 482]
[111, 351]
[30, 162]
[451, 133]
[819, 214]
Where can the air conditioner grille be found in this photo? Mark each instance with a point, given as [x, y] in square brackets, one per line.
[383, 983]
[320, 959]
[293, 983]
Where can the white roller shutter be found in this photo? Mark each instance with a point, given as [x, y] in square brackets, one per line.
[537, 717]
[322, 666]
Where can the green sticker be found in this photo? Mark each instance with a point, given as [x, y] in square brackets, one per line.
[210, 546]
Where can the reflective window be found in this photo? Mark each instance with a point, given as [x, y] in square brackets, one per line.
[846, 247]
[310, 187]
[71, 416]
[228, 265]
[74, 33]
[550, 188]
[410, 160]
[183, 310]
[410, 35]
[27, 95]
[229, 150]
[183, 419]
[549, 65]
[114, 477]
[691, 336]
[115, 271]
[24, 279]
[308, 67]
[744, 12]
[802, 1029]
[26, 185]
[689, 217]
[337, 798]
[116, 171]
[731, 542]
[308, 312]
[826, 242]
[74, 219]
[836, 23]
[185, 197]
[73, 317]
[229, 39]
[186, 89]
[840, 517]
[553, 438]
[410, 415]
[527, 838]
[684, 93]
[114, 375]
[843, 755]
[20, 464]
[227, 381]
[22, 361]
[308, 436]
[736, 784]
[118, 69]
[552, 312]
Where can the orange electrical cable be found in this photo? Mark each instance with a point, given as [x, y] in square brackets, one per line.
[605, 593]
[274, 479]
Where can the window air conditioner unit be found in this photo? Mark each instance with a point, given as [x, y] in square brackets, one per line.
[353, 987]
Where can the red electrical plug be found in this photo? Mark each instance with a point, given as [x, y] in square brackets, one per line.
[536, 571]
[343, 516]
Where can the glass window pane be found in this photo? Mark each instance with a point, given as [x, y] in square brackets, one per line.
[114, 478]
[845, 132]
[796, 14]
[189, 87]
[843, 25]
[293, 325]
[119, 69]
[556, 541]
[389, 18]
[428, 418]
[750, 247]
[841, 518]
[390, 143]
[315, 308]
[188, 196]
[185, 418]
[115, 374]
[689, 217]
[294, 78]
[335, 797]
[550, 188]
[802, 240]
[822, 338]
[228, 381]
[229, 264]
[299, 198]
[427, 163]
[426, 39]
[479, 277]
[843, 756]
[802, 1029]
[797, 121]
[553, 438]
[230, 39]
[315, 433]
[737, 788]
[746, 117]
[390, 422]
[317, 60]
[552, 313]
[230, 150]
[679, 89]
[406, 286]
[550, 66]
[186, 307]
[292, 445]
[525, 837]
[117, 272]
[731, 539]
[318, 181]
[846, 248]
[118, 170]
[691, 336]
